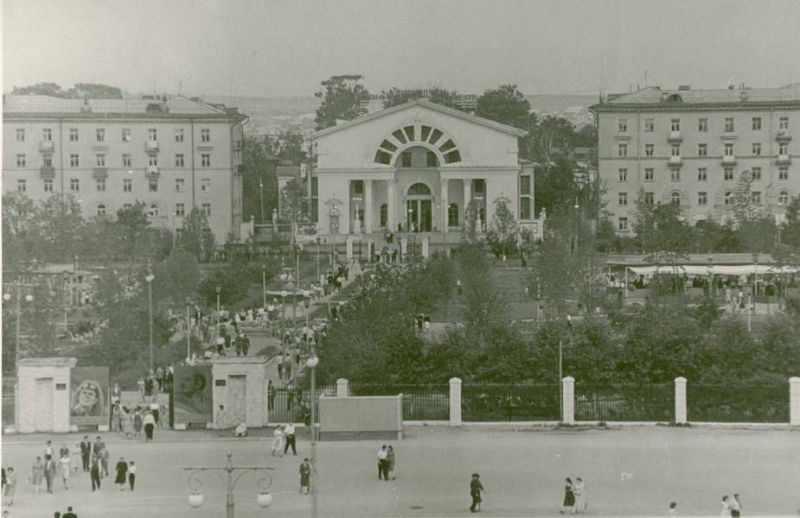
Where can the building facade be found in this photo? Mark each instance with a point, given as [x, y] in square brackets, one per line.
[690, 148]
[415, 168]
[172, 154]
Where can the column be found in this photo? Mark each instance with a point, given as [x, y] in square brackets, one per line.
[568, 397]
[391, 205]
[341, 388]
[445, 204]
[680, 400]
[794, 401]
[455, 401]
[368, 208]
[467, 193]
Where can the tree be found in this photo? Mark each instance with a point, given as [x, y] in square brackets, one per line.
[502, 235]
[132, 227]
[295, 200]
[745, 209]
[661, 228]
[556, 190]
[50, 89]
[94, 91]
[21, 238]
[506, 105]
[396, 96]
[197, 238]
[551, 137]
[177, 278]
[790, 232]
[259, 178]
[61, 228]
[291, 147]
[341, 100]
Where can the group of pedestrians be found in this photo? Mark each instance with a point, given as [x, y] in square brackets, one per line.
[283, 438]
[731, 506]
[386, 463]
[574, 496]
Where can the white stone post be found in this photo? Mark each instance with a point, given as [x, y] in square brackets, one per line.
[794, 401]
[341, 388]
[568, 398]
[680, 400]
[455, 401]
[445, 204]
[368, 206]
[426, 247]
[391, 206]
[349, 248]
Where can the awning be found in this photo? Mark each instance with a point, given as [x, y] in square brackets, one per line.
[744, 269]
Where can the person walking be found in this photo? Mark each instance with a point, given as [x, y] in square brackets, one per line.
[290, 439]
[50, 473]
[66, 468]
[475, 490]
[149, 424]
[37, 475]
[75, 455]
[673, 509]
[131, 474]
[70, 513]
[277, 441]
[104, 455]
[569, 497]
[122, 473]
[86, 452]
[95, 473]
[736, 506]
[383, 465]
[270, 396]
[305, 476]
[390, 462]
[580, 496]
[48, 451]
[155, 410]
[10, 487]
[725, 510]
[137, 422]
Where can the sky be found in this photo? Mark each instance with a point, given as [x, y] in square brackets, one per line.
[276, 48]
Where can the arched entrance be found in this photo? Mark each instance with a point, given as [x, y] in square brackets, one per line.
[419, 208]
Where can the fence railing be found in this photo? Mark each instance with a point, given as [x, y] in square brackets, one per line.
[740, 404]
[510, 402]
[420, 402]
[624, 402]
[295, 405]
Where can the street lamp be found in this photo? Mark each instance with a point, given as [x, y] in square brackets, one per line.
[218, 289]
[149, 278]
[261, 188]
[196, 498]
[264, 284]
[29, 299]
[312, 363]
[188, 330]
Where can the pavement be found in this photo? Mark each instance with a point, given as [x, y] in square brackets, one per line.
[628, 472]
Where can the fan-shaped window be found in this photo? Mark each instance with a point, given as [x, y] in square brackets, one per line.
[388, 146]
[452, 157]
[447, 146]
[410, 133]
[675, 198]
[382, 157]
[399, 136]
[419, 189]
[435, 136]
[728, 198]
[783, 198]
[395, 149]
[426, 132]
[674, 98]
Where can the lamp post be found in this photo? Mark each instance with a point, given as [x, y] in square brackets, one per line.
[28, 298]
[218, 289]
[318, 243]
[312, 364]
[261, 188]
[196, 499]
[149, 278]
[188, 330]
[264, 284]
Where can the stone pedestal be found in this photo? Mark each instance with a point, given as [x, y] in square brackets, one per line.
[240, 385]
[455, 401]
[680, 400]
[568, 399]
[349, 249]
[426, 247]
[341, 388]
[794, 401]
[44, 394]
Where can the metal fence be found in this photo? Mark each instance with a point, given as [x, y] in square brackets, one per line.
[510, 402]
[9, 390]
[294, 404]
[624, 402]
[420, 402]
[738, 404]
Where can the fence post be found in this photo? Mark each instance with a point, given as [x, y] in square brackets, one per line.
[794, 401]
[680, 400]
[568, 397]
[455, 401]
[341, 388]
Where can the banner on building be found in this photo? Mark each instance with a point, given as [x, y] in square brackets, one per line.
[89, 396]
[192, 394]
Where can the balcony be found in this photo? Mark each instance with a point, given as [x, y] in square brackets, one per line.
[783, 136]
[728, 160]
[151, 145]
[675, 136]
[784, 159]
[675, 161]
[100, 173]
[47, 172]
[46, 146]
[152, 171]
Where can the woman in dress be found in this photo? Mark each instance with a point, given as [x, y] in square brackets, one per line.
[580, 496]
[569, 497]
[390, 461]
[75, 454]
[65, 463]
[37, 474]
[122, 474]
[137, 422]
[277, 441]
[725, 511]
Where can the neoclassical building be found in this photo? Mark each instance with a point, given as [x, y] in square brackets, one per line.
[415, 168]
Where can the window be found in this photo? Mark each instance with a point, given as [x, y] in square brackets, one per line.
[21, 160]
[126, 134]
[74, 160]
[180, 209]
[152, 134]
[126, 160]
[100, 134]
[101, 210]
[756, 123]
[702, 125]
[757, 149]
[676, 150]
[675, 198]
[152, 184]
[702, 149]
[623, 175]
[47, 134]
[48, 185]
[73, 134]
[622, 125]
[452, 215]
[205, 135]
[675, 125]
[384, 215]
[179, 184]
[729, 124]
[728, 173]
[205, 185]
[525, 184]
[127, 185]
[100, 159]
[431, 160]
[405, 159]
[207, 209]
[649, 198]
[702, 174]
[783, 173]
[623, 199]
[783, 198]
[756, 197]
[358, 186]
[154, 211]
[74, 185]
[648, 125]
[205, 160]
[178, 159]
[649, 149]
[47, 160]
[783, 148]
[783, 123]
[525, 203]
[649, 174]
[675, 175]
[20, 134]
[101, 184]
[22, 185]
[702, 198]
[622, 150]
[152, 159]
[622, 223]
[728, 198]
[728, 149]
[179, 135]
[755, 173]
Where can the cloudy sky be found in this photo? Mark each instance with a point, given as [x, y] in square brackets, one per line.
[285, 47]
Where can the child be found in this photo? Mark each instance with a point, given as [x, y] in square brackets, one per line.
[11, 486]
[305, 476]
[131, 474]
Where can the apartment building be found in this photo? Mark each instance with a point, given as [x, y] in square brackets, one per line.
[689, 147]
[173, 154]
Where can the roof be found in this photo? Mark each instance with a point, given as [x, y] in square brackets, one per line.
[47, 362]
[655, 96]
[175, 106]
[691, 259]
[505, 128]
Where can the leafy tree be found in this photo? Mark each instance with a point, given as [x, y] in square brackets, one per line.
[51, 89]
[177, 278]
[21, 238]
[61, 228]
[744, 208]
[290, 147]
[556, 190]
[197, 238]
[341, 100]
[396, 96]
[790, 233]
[295, 200]
[133, 231]
[259, 169]
[506, 105]
[661, 228]
[484, 304]
[94, 91]
[502, 234]
[552, 136]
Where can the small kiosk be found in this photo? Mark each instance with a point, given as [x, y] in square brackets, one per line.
[44, 394]
[240, 384]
